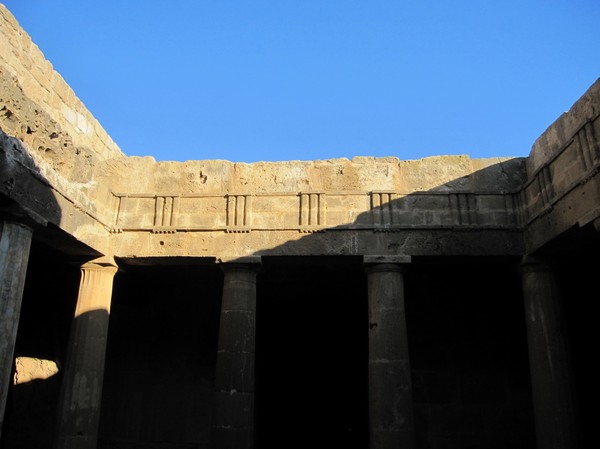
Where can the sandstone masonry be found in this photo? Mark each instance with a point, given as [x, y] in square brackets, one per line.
[213, 250]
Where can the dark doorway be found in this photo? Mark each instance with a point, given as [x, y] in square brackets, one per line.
[47, 309]
[162, 345]
[468, 354]
[311, 353]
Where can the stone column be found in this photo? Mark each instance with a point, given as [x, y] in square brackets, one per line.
[390, 392]
[233, 420]
[81, 393]
[15, 242]
[549, 364]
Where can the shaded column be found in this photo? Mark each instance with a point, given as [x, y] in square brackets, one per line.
[549, 363]
[233, 420]
[15, 242]
[390, 392]
[81, 392]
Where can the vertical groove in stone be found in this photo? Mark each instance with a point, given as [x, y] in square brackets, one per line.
[313, 205]
[376, 208]
[15, 243]
[158, 210]
[582, 143]
[453, 204]
[248, 210]
[167, 211]
[175, 213]
[121, 208]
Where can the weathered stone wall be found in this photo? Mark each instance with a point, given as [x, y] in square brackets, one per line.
[225, 209]
[88, 175]
[565, 129]
[563, 187]
[465, 332]
[135, 206]
[55, 156]
[21, 58]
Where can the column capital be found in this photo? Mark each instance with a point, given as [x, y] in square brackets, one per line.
[240, 263]
[531, 264]
[105, 263]
[240, 260]
[386, 263]
[381, 259]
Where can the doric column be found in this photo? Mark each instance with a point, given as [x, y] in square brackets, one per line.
[15, 242]
[81, 393]
[551, 377]
[390, 392]
[233, 420]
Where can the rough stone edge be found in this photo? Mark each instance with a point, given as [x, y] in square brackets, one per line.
[562, 130]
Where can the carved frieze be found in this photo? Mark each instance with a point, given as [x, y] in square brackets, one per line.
[379, 211]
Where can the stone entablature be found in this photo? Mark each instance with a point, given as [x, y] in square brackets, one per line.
[60, 165]
[314, 211]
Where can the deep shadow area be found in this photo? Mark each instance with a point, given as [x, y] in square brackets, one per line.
[578, 279]
[468, 351]
[467, 341]
[573, 258]
[46, 312]
[161, 354]
[311, 371]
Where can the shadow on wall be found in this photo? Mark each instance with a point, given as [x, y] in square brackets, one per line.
[465, 320]
[40, 322]
[465, 328]
[464, 316]
[26, 198]
[40, 351]
[37, 157]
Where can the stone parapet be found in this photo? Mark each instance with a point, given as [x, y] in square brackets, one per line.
[565, 129]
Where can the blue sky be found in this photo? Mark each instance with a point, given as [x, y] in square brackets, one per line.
[278, 80]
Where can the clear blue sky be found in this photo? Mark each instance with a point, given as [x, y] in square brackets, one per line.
[279, 80]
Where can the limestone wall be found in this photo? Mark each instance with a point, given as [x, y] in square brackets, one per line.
[95, 193]
[565, 129]
[56, 158]
[21, 58]
[98, 193]
[563, 186]
[220, 195]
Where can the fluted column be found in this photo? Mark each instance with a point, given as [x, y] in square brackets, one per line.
[81, 393]
[551, 377]
[15, 242]
[390, 391]
[233, 420]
